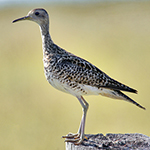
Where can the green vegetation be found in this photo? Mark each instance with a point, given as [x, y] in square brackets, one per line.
[113, 36]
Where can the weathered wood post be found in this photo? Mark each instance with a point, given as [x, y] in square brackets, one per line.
[112, 141]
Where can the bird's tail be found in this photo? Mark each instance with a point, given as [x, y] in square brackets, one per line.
[126, 98]
[117, 94]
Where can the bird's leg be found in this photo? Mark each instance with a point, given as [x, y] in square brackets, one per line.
[82, 124]
[78, 138]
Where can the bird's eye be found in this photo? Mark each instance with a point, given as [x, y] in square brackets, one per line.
[37, 13]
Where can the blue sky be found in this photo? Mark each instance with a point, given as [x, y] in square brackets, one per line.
[20, 2]
[4, 3]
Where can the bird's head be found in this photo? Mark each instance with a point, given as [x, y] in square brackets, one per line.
[40, 16]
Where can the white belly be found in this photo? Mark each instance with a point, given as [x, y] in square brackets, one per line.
[58, 85]
[83, 90]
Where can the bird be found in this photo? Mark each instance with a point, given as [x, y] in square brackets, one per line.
[74, 75]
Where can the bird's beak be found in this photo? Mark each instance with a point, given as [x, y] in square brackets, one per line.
[23, 18]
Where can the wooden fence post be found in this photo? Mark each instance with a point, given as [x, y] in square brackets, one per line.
[112, 141]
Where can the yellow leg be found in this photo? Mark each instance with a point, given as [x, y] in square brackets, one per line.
[79, 137]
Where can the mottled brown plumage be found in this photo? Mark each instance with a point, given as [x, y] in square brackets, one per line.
[74, 75]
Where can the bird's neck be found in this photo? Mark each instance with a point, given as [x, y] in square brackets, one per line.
[46, 39]
[49, 48]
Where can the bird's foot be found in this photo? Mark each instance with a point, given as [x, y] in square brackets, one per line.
[74, 138]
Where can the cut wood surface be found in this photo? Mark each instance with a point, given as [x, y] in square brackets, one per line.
[112, 141]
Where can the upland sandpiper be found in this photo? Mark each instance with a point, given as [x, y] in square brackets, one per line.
[74, 75]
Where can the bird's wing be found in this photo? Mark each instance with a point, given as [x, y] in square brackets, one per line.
[81, 71]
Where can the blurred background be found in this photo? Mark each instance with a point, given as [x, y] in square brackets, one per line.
[114, 36]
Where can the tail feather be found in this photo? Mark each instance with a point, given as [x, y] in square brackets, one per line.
[126, 98]
[115, 85]
[122, 87]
